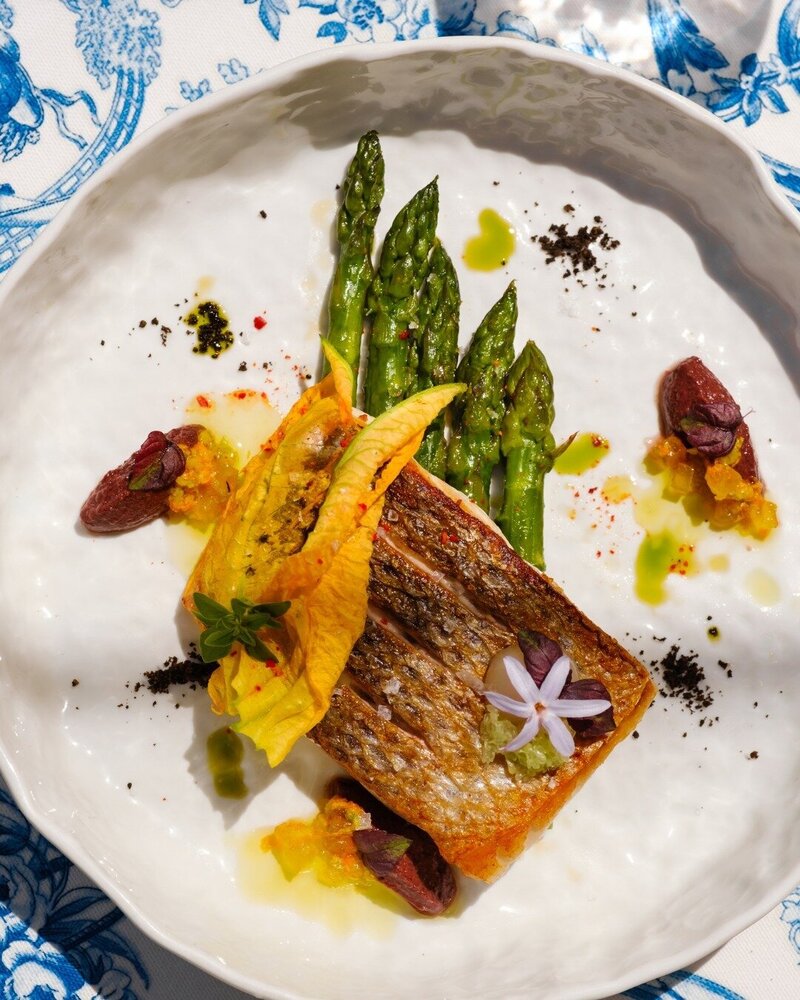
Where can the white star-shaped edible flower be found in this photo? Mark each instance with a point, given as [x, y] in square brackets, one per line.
[542, 706]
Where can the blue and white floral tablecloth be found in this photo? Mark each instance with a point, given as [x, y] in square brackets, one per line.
[80, 78]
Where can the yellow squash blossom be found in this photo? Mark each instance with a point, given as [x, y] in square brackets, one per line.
[300, 528]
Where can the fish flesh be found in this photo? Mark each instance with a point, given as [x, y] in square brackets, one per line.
[446, 594]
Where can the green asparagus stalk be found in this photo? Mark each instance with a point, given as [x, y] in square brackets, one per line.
[355, 232]
[392, 300]
[437, 348]
[528, 447]
[474, 448]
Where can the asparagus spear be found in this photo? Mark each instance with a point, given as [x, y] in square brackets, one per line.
[437, 346]
[474, 448]
[355, 232]
[392, 301]
[528, 447]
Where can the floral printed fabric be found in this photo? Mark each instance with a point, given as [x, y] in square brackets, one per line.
[124, 67]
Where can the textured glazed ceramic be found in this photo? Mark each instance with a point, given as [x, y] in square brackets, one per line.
[689, 832]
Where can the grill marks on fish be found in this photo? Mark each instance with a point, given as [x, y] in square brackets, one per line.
[421, 654]
[432, 614]
[364, 744]
[422, 694]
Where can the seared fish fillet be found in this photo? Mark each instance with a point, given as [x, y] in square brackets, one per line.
[447, 592]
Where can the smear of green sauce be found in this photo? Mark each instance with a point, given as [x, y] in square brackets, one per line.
[658, 556]
[584, 453]
[212, 326]
[224, 752]
[494, 244]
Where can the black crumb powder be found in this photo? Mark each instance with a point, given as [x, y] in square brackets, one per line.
[683, 678]
[576, 248]
[192, 671]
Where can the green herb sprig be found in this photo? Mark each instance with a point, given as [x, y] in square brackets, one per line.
[238, 623]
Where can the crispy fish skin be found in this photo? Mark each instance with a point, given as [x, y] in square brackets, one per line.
[425, 608]
[496, 579]
[405, 719]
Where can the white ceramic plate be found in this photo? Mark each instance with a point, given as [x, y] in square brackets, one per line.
[683, 837]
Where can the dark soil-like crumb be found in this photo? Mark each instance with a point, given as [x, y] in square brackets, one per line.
[683, 678]
[577, 248]
[192, 671]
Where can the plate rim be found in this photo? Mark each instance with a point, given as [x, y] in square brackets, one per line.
[268, 79]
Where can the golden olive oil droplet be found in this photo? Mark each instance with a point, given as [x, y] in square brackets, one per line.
[224, 752]
[244, 418]
[204, 285]
[719, 563]
[763, 588]
[617, 488]
[713, 633]
[584, 453]
[343, 910]
[493, 245]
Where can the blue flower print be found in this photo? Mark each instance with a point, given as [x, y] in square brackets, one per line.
[21, 892]
[789, 43]
[511, 25]
[452, 17]
[678, 45]
[116, 35]
[114, 984]
[233, 71]
[269, 13]
[788, 177]
[370, 20]
[790, 914]
[363, 20]
[745, 97]
[31, 969]
[190, 93]
[22, 104]
[590, 46]
[395, 20]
